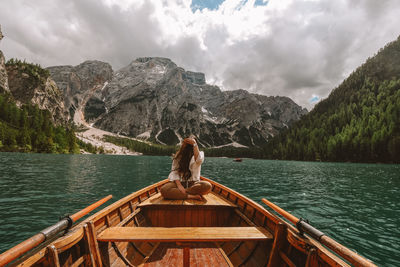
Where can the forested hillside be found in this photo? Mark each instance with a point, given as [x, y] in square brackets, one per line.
[358, 122]
[29, 129]
[26, 127]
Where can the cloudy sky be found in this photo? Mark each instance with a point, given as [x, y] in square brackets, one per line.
[296, 48]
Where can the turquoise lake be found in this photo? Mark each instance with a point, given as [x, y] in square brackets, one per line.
[356, 204]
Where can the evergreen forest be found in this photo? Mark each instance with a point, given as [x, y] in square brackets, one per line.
[30, 129]
[358, 122]
[142, 147]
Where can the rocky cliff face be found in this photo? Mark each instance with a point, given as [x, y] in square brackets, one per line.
[29, 83]
[28, 86]
[3, 72]
[154, 99]
[81, 86]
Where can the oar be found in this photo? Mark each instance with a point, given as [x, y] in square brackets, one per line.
[303, 226]
[48, 233]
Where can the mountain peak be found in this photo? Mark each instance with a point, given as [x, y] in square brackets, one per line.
[153, 98]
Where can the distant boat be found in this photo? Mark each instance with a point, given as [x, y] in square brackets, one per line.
[238, 160]
[224, 229]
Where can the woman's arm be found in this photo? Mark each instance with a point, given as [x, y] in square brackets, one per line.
[195, 150]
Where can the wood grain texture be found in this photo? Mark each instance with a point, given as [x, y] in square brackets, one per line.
[186, 234]
[201, 254]
[223, 207]
[210, 199]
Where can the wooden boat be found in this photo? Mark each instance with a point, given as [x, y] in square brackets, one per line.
[225, 229]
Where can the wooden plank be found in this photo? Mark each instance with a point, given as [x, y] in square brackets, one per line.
[78, 262]
[129, 217]
[35, 258]
[219, 200]
[201, 254]
[94, 244]
[184, 234]
[125, 210]
[90, 245]
[244, 252]
[53, 256]
[228, 261]
[70, 239]
[121, 255]
[212, 218]
[259, 219]
[158, 217]
[261, 253]
[244, 217]
[286, 259]
[211, 199]
[312, 259]
[132, 197]
[188, 218]
[151, 253]
[201, 217]
[156, 199]
[280, 233]
[235, 259]
[186, 256]
[195, 219]
[230, 247]
[242, 198]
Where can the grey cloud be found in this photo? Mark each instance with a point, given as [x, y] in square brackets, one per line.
[103, 33]
[301, 59]
[295, 59]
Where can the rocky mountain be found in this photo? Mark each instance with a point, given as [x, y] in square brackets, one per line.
[81, 83]
[3, 72]
[154, 99]
[30, 83]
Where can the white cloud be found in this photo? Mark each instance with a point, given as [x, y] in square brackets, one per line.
[286, 47]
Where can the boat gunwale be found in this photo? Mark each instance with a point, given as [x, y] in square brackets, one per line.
[76, 233]
[323, 252]
[328, 255]
[114, 206]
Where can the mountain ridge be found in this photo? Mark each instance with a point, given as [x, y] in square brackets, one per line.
[154, 99]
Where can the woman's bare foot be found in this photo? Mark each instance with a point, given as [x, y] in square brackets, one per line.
[196, 197]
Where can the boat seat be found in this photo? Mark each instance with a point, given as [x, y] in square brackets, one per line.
[183, 234]
[210, 199]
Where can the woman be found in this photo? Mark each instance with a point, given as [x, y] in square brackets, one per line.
[184, 178]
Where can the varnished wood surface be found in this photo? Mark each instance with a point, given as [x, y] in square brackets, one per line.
[201, 254]
[223, 207]
[210, 199]
[188, 216]
[186, 234]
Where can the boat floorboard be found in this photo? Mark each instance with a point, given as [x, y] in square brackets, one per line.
[201, 254]
[211, 199]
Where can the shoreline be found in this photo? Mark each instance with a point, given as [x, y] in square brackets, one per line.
[95, 137]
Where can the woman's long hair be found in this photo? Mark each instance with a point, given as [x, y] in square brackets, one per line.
[183, 156]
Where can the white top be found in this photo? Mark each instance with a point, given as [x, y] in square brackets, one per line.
[194, 167]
